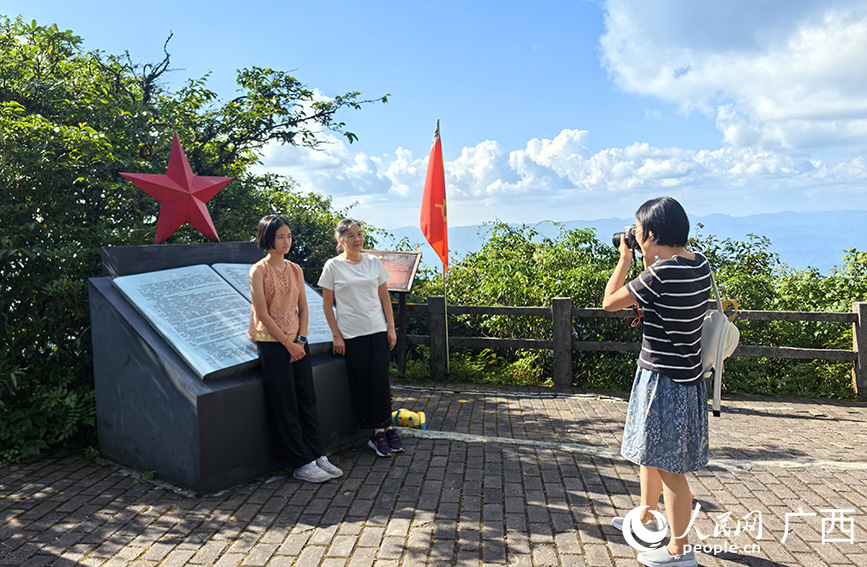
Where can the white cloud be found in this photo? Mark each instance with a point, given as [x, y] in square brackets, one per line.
[479, 171]
[788, 76]
[559, 179]
[784, 85]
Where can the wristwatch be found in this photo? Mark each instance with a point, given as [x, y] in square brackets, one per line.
[301, 339]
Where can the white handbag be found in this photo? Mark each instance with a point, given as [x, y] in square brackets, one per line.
[719, 339]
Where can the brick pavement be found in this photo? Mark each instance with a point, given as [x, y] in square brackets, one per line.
[507, 476]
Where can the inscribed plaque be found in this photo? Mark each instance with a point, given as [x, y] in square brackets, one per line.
[318, 331]
[198, 313]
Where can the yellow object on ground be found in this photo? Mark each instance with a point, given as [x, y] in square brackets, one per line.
[406, 418]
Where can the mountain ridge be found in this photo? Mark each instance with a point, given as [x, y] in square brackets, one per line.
[801, 239]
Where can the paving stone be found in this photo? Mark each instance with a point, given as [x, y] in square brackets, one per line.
[545, 555]
[362, 557]
[260, 554]
[208, 553]
[371, 536]
[342, 546]
[392, 548]
[229, 560]
[597, 555]
[504, 499]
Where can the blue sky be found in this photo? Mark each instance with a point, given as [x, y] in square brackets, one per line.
[549, 110]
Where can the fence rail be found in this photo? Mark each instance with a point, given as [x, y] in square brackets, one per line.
[564, 344]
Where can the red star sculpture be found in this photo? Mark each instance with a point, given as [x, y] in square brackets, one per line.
[182, 195]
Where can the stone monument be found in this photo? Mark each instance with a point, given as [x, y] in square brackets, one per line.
[178, 388]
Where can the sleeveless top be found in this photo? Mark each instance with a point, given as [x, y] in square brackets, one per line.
[282, 290]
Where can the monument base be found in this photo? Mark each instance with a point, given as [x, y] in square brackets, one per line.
[155, 414]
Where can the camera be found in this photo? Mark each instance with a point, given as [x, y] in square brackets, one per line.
[628, 237]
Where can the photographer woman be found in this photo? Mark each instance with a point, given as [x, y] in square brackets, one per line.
[666, 423]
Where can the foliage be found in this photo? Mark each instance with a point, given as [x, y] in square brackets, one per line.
[70, 122]
[759, 280]
[311, 216]
[146, 476]
[518, 266]
[483, 367]
[745, 270]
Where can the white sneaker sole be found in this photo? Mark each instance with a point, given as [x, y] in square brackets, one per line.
[311, 479]
[617, 522]
[333, 474]
[372, 445]
[691, 562]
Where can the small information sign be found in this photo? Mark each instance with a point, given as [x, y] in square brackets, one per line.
[401, 267]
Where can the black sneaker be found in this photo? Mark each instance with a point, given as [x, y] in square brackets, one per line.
[394, 441]
[379, 443]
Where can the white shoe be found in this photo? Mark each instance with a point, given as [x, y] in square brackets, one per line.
[331, 470]
[662, 558]
[657, 525]
[311, 473]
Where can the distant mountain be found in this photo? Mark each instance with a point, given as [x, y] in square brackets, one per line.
[806, 239]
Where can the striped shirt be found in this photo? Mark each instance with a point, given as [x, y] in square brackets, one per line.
[673, 295]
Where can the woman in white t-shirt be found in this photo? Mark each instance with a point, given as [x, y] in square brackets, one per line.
[363, 331]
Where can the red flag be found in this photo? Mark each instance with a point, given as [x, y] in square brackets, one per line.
[433, 204]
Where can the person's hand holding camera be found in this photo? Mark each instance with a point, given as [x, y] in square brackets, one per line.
[626, 252]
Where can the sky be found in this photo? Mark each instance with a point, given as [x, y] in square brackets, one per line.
[549, 110]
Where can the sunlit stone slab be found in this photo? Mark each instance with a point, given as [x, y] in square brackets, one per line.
[202, 316]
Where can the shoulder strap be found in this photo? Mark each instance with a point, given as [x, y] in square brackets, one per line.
[715, 290]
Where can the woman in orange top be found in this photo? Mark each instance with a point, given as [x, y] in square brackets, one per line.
[278, 324]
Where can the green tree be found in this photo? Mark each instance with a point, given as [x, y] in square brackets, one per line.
[312, 218]
[70, 122]
[519, 266]
[757, 279]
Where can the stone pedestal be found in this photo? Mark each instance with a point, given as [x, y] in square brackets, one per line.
[155, 414]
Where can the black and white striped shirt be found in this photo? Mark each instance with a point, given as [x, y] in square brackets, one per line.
[673, 297]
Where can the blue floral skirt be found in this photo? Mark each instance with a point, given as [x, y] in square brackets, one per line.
[666, 424]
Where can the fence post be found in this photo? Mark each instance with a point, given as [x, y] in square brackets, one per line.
[859, 345]
[436, 316]
[561, 318]
[401, 334]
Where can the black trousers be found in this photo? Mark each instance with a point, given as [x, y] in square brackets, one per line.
[367, 360]
[289, 386]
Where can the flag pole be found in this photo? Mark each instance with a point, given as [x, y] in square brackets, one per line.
[445, 287]
[446, 315]
[433, 220]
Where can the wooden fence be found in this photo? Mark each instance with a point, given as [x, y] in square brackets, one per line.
[564, 344]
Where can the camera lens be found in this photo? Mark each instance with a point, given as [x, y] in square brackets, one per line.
[628, 237]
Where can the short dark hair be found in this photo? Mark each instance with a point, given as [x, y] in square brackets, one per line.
[666, 219]
[268, 228]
